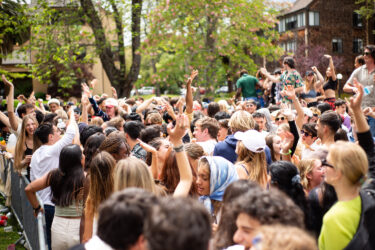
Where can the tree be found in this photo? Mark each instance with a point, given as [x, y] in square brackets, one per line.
[217, 37]
[14, 28]
[122, 80]
[59, 44]
[366, 10]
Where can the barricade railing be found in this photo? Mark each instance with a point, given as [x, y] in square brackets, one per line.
[33, 229]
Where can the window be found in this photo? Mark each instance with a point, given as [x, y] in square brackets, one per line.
[291, 46]
[337, 45]
[291, 23]
[301, 20]
[282, 25]
[357, 20]
[313, 18]
[357, 45]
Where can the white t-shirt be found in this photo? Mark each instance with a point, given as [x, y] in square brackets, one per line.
[208, 146]
[46, 158]
[235, 247]
[95, 243]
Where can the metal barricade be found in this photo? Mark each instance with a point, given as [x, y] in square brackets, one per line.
[33, 229]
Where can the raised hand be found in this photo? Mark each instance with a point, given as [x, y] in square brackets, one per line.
[86, 89]
[328, 56]
[179, 131]
[147, 147]
[314, 69]
[114, 92]
[287, 142]
[356, 100]
[85, 100]
[6, 81]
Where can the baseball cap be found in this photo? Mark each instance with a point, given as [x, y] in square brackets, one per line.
[252, 140]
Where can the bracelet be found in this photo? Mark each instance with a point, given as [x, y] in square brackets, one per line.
[37, 208]
[289, 152]
[179, 148]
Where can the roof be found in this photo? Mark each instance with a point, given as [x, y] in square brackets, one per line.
[298, 5]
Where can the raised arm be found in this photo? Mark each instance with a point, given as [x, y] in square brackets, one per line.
[319, 75]
[84, 116]
[331, 66]
[189, 92]
[268, 75]
[175, 136]
[290, 92]
[13, 120]
[154, 161]
[4, 119]
[144, 105]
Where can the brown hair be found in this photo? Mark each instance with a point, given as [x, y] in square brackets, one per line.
[255, 164]
[194, 150]
[210, 124]
[101, 180]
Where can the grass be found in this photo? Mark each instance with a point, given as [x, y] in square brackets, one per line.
[8, 238]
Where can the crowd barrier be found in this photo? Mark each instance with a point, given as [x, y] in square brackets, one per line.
[33, 229]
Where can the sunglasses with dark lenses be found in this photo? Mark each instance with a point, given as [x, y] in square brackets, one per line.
[367, 53]
[305, 133]
[280, 118]
[326, 164]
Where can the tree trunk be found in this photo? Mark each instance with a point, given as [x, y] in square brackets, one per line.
[118, 77]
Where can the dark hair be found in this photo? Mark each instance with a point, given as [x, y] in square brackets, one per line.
[224, 123]
[258, 115]
[210, 124]
[91, 148]
[112, 145]
[360, 60]
[48, 118]
[371, 48]
[122, 216]
[277, 71]
[269, 141]
[288, 60]
[243, 72]
[178, 223]
[156, 143]
[43, 131]
[323, 107]
[341, 135]
[227, 225]
[87, 132]
[150, 132]
[39, 116]
[285, 176]
[133, 117]
[67, 181]
[310, 128]
[22, 110]
[133, 129]
[339, 102]
[221, 115]
[212, 109]
[331, 119]
[101, 100]
[269, 207]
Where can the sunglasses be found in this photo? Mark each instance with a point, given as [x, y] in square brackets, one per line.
[367, 53]
[280, 118]
[326, 164]
[305, 133]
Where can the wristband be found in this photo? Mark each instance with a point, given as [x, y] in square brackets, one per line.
[179, 148]
[289, 152]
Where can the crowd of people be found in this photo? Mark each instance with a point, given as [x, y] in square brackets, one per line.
[286, 166]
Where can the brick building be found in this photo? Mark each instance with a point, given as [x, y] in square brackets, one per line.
[332, 24]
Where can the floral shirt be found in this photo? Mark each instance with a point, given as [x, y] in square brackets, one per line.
[293, 78]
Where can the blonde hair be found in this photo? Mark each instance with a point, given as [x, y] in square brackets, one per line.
[21, 142]
[223, 105]
[284, 127]
[241, 121]
[154, 118]
[311, 86]
[350, 159]
[255, 164]
[279, 237]
[305, 166]
[98, 121]
[133, 172]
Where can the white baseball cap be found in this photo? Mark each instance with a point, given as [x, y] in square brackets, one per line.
[252, 140]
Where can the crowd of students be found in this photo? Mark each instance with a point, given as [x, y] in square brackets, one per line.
[179, 173]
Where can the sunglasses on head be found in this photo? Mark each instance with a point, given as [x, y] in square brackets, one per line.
[326, 164]
[280, 118]
[305, 133]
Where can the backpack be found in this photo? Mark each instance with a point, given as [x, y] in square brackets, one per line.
[364, 238]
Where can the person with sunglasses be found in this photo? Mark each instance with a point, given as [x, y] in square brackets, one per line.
[309, 137]
[346, 168]
[330, 85]
[365, 75]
